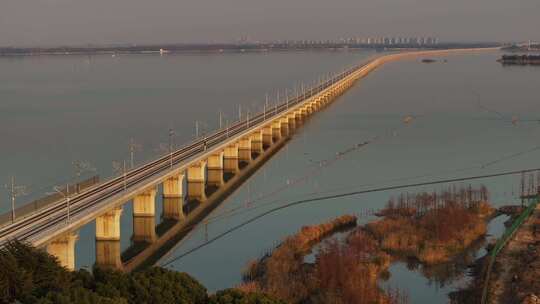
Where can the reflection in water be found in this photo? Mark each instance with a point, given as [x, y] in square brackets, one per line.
[452, 132]
[436, 282]
[144, 229]
[108, 254]
[173, 208]
[451, 273]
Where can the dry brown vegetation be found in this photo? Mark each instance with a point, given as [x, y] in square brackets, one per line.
[281, 273]
[343, 272]
[433, 227]
[349, 272]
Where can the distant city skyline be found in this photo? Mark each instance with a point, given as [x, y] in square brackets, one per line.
[100, 22]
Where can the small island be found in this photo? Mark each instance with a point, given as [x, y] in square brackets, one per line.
[429, 228]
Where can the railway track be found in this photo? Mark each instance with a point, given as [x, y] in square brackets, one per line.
[52, 216]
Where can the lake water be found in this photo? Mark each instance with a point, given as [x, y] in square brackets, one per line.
[54, 110]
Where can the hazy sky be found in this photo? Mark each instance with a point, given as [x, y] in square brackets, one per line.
[52, 22]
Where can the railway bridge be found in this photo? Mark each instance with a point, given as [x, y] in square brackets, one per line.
[194, 179]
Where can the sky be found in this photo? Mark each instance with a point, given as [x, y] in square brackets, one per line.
[81, 22]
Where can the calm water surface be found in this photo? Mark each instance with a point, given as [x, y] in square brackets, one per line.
[463, 111]
[55, 110]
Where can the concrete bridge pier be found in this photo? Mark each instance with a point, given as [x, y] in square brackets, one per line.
[144, 220]
[299, 117]
[284, 126]
[257, 142]
[108, 239]
[320, 102]
[244, 150]
[307, 110]
[292, 122]
[63, 248]
[314, 105]
[327, 98]
[310, 109]
[215, 169]
[305, 113]
[276, 130]
[230, 159]
[196, 181]
[173, 197]
[267, 136]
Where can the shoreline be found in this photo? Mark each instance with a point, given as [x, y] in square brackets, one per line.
[164, 50]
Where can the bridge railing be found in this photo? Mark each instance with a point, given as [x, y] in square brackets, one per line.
[240, 125]
[38, 204]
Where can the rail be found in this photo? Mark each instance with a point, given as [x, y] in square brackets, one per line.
[48, 217]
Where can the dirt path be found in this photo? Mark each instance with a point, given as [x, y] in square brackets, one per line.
[516, 276]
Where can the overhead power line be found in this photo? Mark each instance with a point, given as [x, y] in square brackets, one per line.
[341, 195]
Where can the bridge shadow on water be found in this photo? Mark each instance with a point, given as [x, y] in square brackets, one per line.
[146, 252]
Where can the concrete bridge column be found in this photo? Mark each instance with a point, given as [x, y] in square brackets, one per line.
[108, 239]
[276, 129]
[144, 220]
[312, 107]
[284, 126]
[267, 136]
[319, 103]
[63, 248]
[244, 149]
[196, 181]
[257, 142]
[305, 112]
[230, 159]
[173, 197]
[215, 169]
[328, 96]
[292, 121]
[299, 114]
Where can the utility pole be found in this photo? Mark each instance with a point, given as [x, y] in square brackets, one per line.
[81, 167]
[239, 112]
[131, 151]
[15, 191]
[171, 134]
[220, 119]
[287, 97]
[196, 129]
[66, 196]
[133, 146]
[120, 169]
[125, 176]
